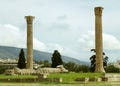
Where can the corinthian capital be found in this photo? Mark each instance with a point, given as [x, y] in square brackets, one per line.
[98, 11]
[29, 19]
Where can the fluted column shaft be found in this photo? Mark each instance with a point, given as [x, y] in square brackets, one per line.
[98, 40]
[29, 20]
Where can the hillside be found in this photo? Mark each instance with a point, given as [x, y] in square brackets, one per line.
[13, 52]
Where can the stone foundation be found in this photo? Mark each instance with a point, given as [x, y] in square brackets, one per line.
[18, 71]
[111, 77]
[104, 78]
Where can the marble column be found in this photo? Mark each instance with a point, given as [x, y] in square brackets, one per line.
[29, 20]
[98, 40]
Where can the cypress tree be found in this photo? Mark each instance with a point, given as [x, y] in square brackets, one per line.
[21, 61]
[56, 59]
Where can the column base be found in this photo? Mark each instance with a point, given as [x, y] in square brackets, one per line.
[100, 71]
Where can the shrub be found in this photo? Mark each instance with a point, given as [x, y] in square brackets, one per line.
[2, 70]
[112, 69]
[76, 67]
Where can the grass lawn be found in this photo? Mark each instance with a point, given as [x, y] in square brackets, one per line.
[68, 80]
[70, 77]
[67, 77]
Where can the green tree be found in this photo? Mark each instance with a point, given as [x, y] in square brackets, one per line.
[93, 61]
[73, 67]
[21, 61]
[46, 63]
[105, 61]
[2, 69]
[112, 69]
[84, 68]
[56, 59]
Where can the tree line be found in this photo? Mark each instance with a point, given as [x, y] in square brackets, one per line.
[70, 66]
[56, 60]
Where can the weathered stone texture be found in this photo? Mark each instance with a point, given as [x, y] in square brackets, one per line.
[34, 72]
[29, 20]
[98, 40]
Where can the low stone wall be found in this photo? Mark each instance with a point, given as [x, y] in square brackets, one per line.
[20, 80]
[50, 80]
[111, 77]
[104, 78]
[94, 79]
[32, 80]
[41, 78]
[85, 79]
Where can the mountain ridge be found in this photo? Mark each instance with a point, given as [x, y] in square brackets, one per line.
[13, 53]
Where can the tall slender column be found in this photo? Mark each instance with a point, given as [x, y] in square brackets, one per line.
[98, 40]
[29, 20]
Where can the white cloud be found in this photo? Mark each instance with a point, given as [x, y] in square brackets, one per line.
[64, 50]
[12, 36]
[110, 42]
[111, 45]
[54, 46]
[87, 40]
[39, 45]
[9, 26]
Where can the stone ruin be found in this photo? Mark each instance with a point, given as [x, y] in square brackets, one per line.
[29, 69]
[17, 71]
[105, 77]
[29, 66]
[39, 78]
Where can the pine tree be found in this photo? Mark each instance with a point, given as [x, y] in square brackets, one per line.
[21, 61]
[56, 59]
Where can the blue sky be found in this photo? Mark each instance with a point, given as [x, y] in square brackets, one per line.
[65, 25]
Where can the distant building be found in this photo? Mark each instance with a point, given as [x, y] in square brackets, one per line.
[117, 64]
[11, 63]
[8, 63]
